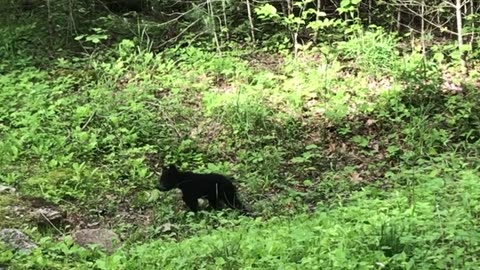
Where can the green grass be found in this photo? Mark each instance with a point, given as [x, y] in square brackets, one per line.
[428, 225]
[435, 229]
[359, 162]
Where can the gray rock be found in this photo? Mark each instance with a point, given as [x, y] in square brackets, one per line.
[47, 215]
[7, 189]
[103, 238]
[16, 240]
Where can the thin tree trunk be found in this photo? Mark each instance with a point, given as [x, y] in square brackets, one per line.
[369, 12]
[290, 7]
[422, 34]
[317, 18]
[213, 28]
[458, 13]
[224, 8]
[399, 18]
[472, 36]
[250, 20]
[50, 25]
[295, 44]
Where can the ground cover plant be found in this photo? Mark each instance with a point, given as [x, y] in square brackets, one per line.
[356, 149]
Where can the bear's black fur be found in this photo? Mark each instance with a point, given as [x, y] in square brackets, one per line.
[216, 188]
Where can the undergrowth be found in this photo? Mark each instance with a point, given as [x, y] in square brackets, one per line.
[428, 224]
[359, 162]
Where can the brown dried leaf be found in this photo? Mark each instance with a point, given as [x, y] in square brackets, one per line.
[355, 177]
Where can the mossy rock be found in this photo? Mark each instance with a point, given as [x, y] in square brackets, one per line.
[13, 210]
[23, 211]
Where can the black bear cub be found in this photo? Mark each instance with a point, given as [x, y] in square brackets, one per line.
[216, 188]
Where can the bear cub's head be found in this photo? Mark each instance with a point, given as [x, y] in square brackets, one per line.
[169, 178]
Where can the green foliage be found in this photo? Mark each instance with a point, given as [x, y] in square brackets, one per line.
[375, 228]
[290, 21]
[391, 240]
[349, 6]
[374, 51]
[97, 37]
[307, 19]
[351, 157]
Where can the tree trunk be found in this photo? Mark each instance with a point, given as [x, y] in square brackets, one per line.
[458, 13]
